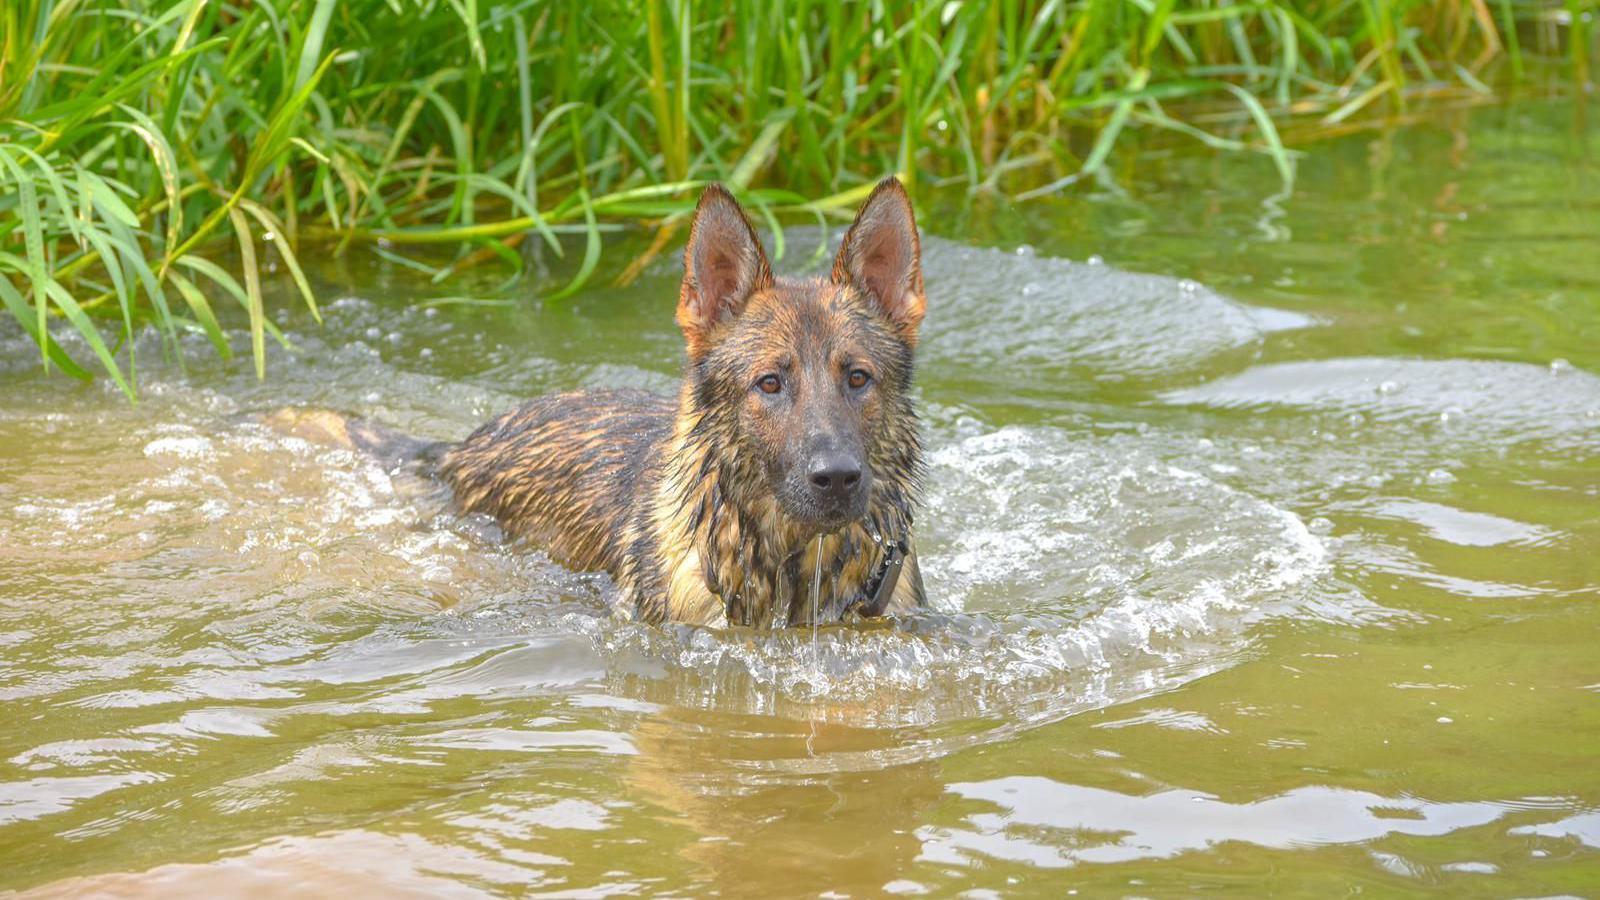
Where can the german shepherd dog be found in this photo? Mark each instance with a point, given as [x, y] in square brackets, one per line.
[776, 489]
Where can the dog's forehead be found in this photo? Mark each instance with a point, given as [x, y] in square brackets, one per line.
[810, 313]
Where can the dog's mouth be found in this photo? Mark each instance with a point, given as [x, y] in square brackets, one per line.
[833, 521]
[816, 517]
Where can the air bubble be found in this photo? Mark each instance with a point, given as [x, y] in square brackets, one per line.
[1388, 387]
[1095, 260]
[1559, 366]
[1440, 476]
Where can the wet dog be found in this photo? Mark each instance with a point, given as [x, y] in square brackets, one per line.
[778, 486]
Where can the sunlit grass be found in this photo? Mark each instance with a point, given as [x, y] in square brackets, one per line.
[136, 134]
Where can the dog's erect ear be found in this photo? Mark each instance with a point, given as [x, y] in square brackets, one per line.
[722, 266]
[882, 256]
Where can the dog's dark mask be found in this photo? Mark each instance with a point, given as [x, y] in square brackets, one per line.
[814, 368]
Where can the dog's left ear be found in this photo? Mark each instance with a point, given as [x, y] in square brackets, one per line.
[882, 256]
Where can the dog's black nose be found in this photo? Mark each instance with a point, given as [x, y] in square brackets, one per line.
[834, 476]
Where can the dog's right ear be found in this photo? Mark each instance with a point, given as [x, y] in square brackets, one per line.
[722, 267]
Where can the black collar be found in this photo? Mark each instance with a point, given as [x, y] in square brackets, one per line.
[879, 589]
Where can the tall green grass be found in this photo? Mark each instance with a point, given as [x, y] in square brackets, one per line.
[136, 135]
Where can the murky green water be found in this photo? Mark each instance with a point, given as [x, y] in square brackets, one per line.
[1276, 567]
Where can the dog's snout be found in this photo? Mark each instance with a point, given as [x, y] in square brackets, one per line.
[835, 476]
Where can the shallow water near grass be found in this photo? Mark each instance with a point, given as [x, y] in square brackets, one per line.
[1262, 533]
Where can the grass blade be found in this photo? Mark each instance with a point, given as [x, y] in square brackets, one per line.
[252, 287]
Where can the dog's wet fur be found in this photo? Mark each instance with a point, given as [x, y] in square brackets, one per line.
[793, 436]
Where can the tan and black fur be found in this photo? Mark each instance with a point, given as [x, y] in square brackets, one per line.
[699, 505]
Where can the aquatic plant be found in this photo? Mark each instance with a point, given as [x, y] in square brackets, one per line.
[136, 133]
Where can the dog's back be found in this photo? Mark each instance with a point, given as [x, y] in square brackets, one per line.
[563, 471]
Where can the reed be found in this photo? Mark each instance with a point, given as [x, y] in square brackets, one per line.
[137, 134]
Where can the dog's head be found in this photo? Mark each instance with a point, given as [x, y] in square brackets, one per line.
[813, 374]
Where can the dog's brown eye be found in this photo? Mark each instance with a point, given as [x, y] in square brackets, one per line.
[769, 384]
[859, 378]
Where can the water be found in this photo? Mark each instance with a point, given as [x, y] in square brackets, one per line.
[816, 596]
[1263, 536]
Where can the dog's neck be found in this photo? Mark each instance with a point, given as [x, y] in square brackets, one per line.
[766, 568]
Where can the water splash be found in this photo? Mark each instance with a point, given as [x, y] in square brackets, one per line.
[816, 591]
[1064, 570]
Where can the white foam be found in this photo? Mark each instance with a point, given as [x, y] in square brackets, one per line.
[1059, 565]
[182, 447]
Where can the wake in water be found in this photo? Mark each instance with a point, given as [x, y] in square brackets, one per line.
[1059, 565]
[1066, 564]
[1065, 567]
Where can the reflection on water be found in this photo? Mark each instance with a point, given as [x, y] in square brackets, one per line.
[1472, 402]
[1226, 579]
[1045, 823]
[357, 863]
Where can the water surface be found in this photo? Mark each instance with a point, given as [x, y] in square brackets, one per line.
[1263, 535]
